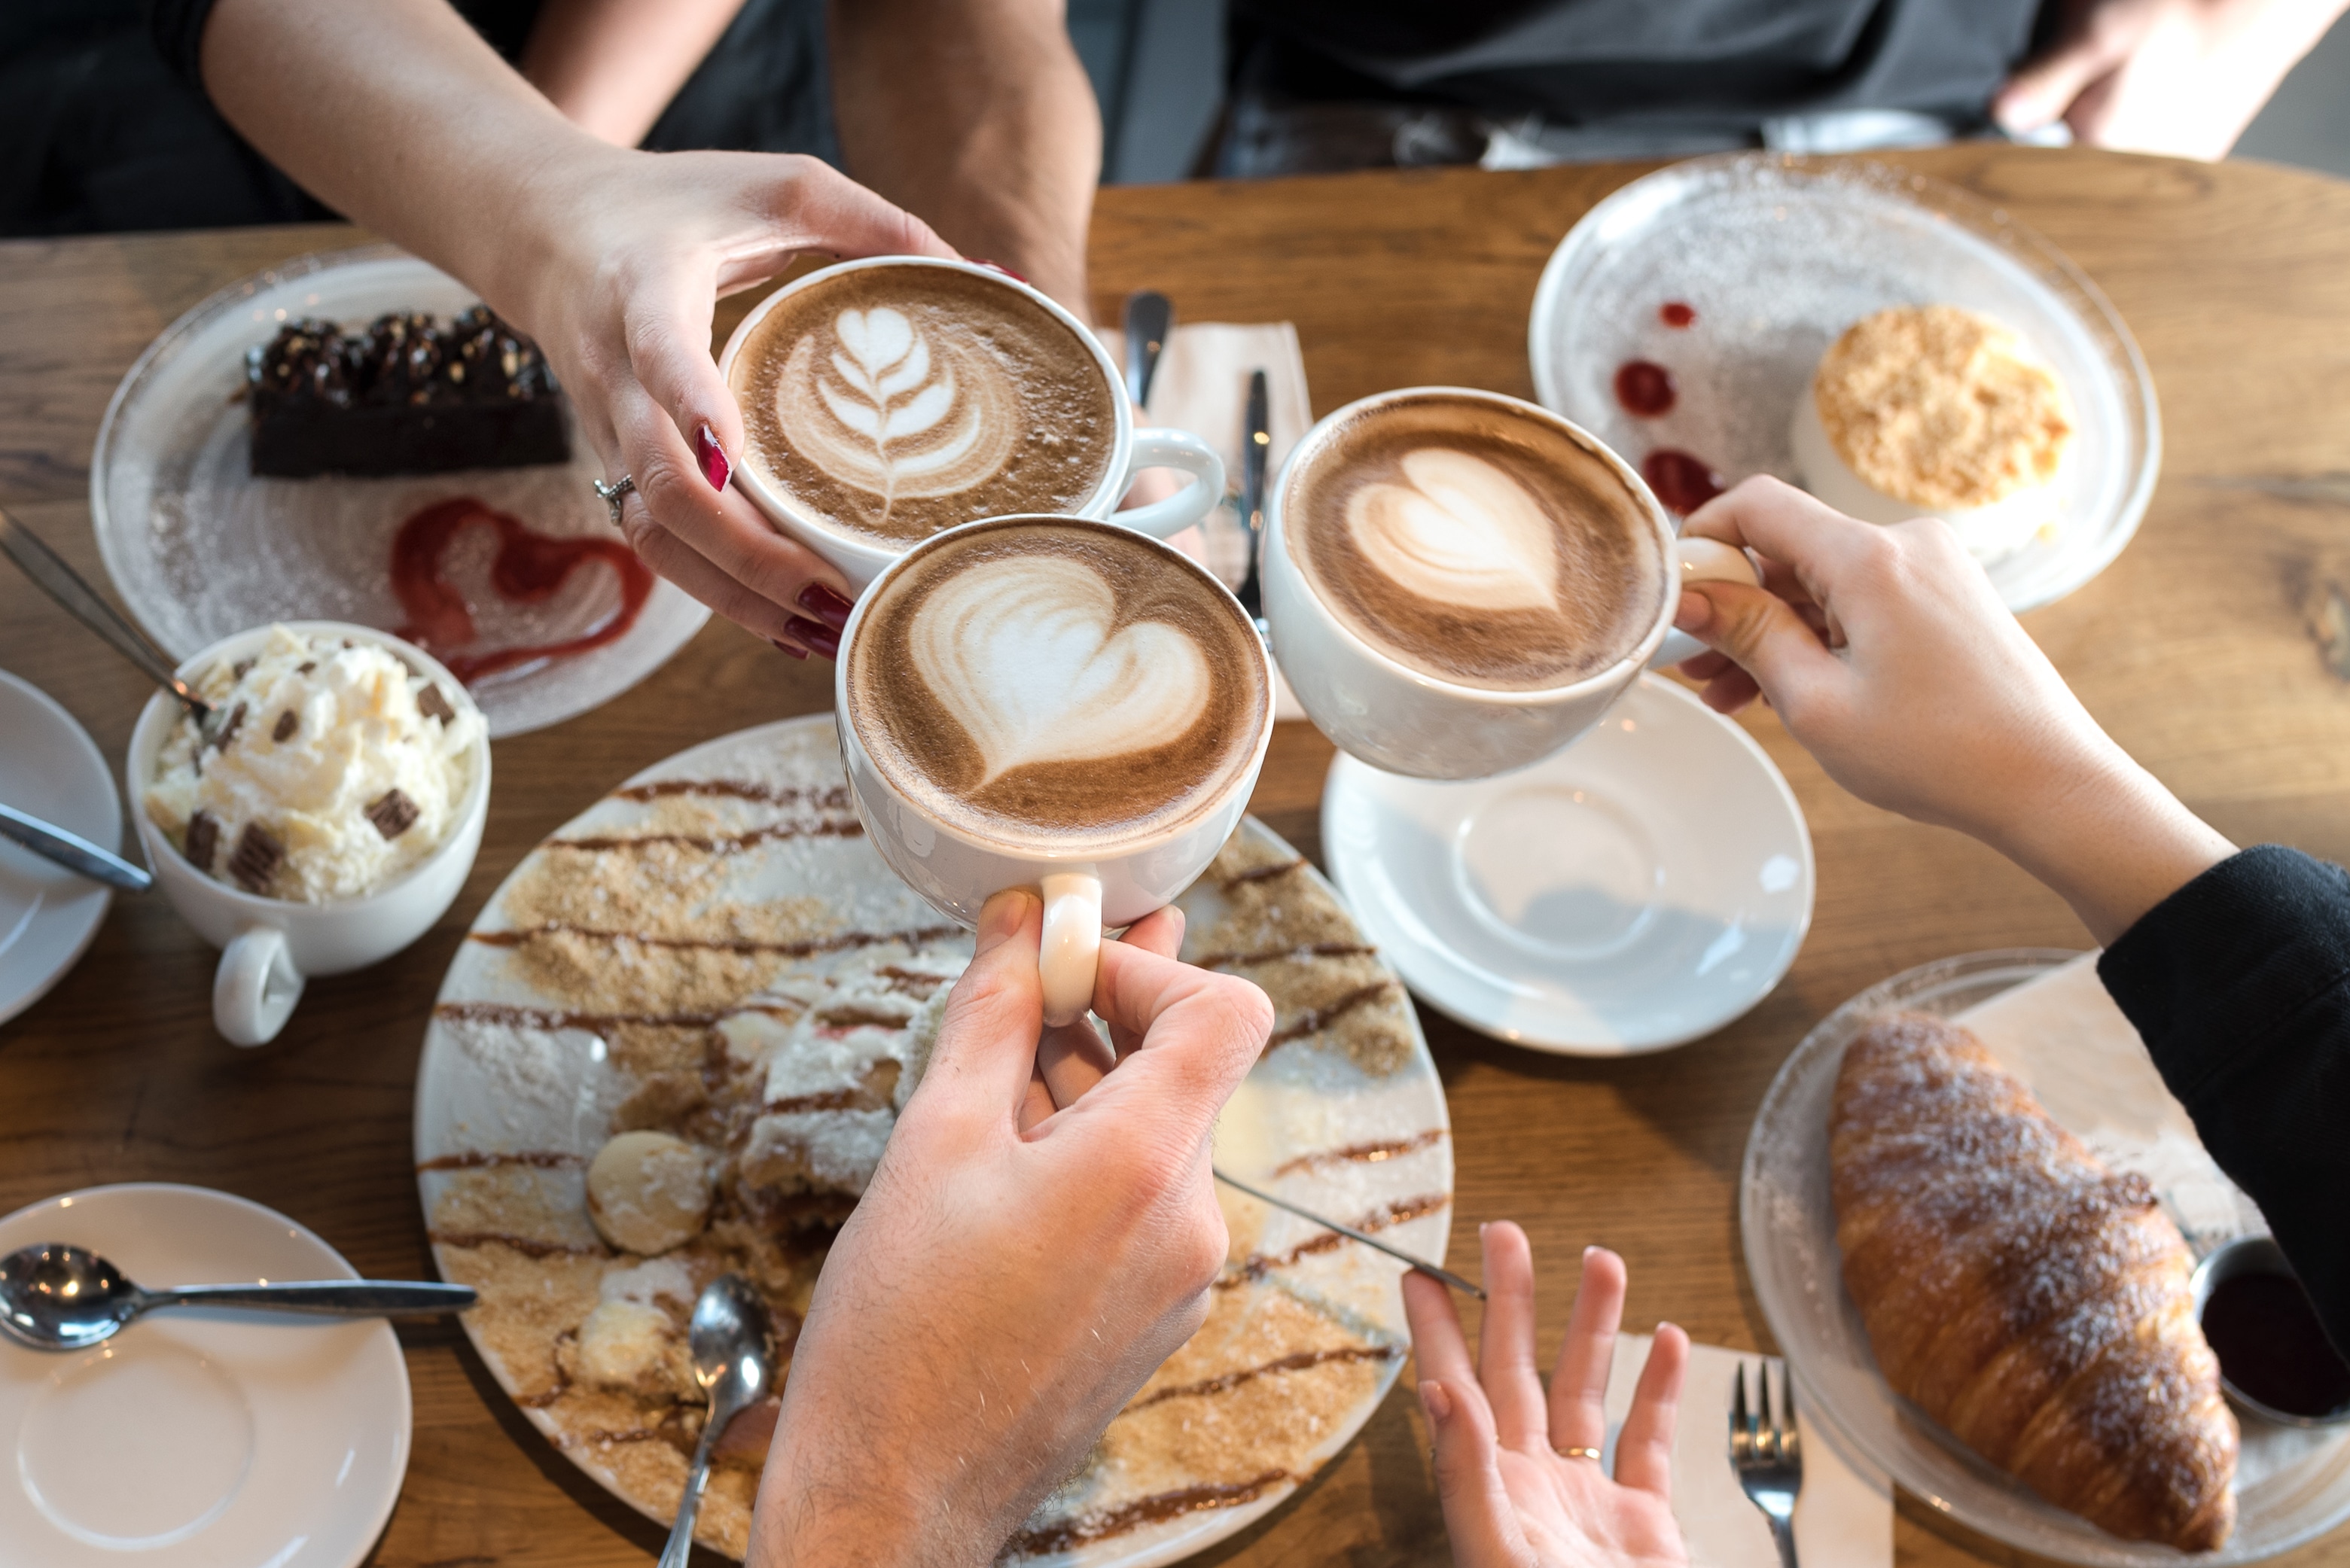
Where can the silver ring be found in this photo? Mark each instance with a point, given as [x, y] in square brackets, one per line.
[612, 493]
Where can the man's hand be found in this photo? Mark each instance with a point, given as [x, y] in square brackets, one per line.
[2178, 77]
[1041, 1234]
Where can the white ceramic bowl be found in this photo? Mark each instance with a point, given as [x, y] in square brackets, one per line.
[272, 946]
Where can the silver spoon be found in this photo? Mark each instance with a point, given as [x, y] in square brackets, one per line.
[1149, 318]
[62, 583]
[57, 1297]
[728, 1337]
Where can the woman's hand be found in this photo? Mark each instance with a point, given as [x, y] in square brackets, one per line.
[1888, 653]
[1041, 1234]
[1511, 1493]
[2180, 77]
[617, 271]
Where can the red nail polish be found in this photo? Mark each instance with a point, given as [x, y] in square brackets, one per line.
[714, 466]
[821, 640]
[787, 648]
[820, 601]
[998, 266]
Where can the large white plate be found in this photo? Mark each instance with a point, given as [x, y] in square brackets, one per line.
[193, 1439]
[2291, 1486]
[200, 548]
[1778, 256]
[1637, 890]
[1304, 1102]
[48, 915]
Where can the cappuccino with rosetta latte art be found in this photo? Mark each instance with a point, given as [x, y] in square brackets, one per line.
[1476, 543]
[1056, 685]
[895, 400]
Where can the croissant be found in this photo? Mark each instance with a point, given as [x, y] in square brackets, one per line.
[2034, 1303]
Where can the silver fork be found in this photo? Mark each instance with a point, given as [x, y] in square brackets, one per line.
[1767, 1452]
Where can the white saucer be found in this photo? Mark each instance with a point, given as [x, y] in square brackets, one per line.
[51, 768]
[193, 1438]
[1640, 888]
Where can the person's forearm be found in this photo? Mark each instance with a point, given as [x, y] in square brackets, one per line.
[2110, 839]
[977, 117]
[612, 66]
[397, 115]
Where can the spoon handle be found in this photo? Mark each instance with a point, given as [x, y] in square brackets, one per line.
[689, 1507]
[62, 583]
[325, 1298]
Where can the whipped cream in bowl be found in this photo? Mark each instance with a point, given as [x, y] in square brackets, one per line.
[327, 820]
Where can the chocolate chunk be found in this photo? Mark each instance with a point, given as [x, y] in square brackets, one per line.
[307, 666]
[434, 705]
[236, 671]
[257, 855]
[394, 814]
[202, 839]
[229, 728]
[287, 724]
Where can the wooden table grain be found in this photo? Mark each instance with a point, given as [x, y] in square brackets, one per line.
[2217, 650]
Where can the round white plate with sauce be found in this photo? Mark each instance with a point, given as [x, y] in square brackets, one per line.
[51, 769]
[1772, 256]
[706, 900]
[200, 547]
[193, 1438]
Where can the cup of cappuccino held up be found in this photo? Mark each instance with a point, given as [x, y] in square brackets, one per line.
[1056, 703]
[1458, 583]
[886, 400]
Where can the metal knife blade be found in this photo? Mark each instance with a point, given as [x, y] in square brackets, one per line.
[1256, 445]
[72, 851]
[1150, 317]
[1421, 1265]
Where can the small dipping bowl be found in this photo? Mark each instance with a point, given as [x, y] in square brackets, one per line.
[271, 947]
[2268, 1323]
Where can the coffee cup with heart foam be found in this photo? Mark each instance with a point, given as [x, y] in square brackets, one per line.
[1459, 583]
[1055, 703]
[886, 400]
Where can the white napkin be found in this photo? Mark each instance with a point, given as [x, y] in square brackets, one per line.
[1201, 386]
[1844, 1516]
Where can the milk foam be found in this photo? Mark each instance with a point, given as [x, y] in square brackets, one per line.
[898, 410]
[1459, 530]
[1022, 653]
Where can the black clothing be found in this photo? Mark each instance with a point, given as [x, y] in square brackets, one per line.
[106, 128]
[2240, 984]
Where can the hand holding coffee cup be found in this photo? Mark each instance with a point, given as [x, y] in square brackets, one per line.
[1057, 703]
[1458, 583]
[884, 400]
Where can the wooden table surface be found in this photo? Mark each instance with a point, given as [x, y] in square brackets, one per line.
[2217, 650]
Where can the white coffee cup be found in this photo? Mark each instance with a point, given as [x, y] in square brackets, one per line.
[861, 559]
[1083, 891]
[271, 947]
[1404, 721]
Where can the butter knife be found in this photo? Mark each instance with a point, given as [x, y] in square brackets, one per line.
[1419, 1265]
[1256, 444]
[72, 851]
[1150, 317]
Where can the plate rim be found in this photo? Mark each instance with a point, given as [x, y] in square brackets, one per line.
[13, 1007]
[1344, 764]
[1891, 182]
[405, 1426]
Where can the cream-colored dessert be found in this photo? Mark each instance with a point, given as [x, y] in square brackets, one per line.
[650, 1191]
[1932, 410]
[336, 769]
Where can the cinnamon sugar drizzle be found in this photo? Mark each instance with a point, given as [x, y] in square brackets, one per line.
[1315, 1020]
[1360, 1153]
[808, 947]
[1299, 1362]
[1260, 1264]
[830, 797]
[528, 1246]
[1153, 1510]
[1263, 873]
[478, 1159]
[716, 844]
[1298, 953]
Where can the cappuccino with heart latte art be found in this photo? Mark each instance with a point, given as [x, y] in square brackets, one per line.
[1475, 544]
[1057, 685]
[896, 400]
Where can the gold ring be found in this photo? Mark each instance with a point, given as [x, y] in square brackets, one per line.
[1591, 1454]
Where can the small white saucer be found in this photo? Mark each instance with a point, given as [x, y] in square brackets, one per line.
[51, 768]
[1637, 890]
[194, 1439]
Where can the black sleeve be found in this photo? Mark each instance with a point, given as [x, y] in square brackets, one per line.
[2240, 985]
[178, 29]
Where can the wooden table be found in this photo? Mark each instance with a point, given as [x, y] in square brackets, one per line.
[2217, 650]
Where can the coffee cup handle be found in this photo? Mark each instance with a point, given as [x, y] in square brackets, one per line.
[255, 987]
[1072, 946]
[1180, 450]
[1701, 561]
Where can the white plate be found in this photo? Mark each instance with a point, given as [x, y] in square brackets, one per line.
[544, 1086]
[1639, 890]
[48, 915]
[1778, 256]
[2292, 1486]
[200, 548]
[197, 1438]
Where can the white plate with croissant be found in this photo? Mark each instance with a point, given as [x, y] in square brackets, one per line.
[2004, 1322]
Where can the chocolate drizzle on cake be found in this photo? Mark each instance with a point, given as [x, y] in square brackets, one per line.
[1401, 1212]
[1361, 1153]
[1156, 1509]
[805, 948]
